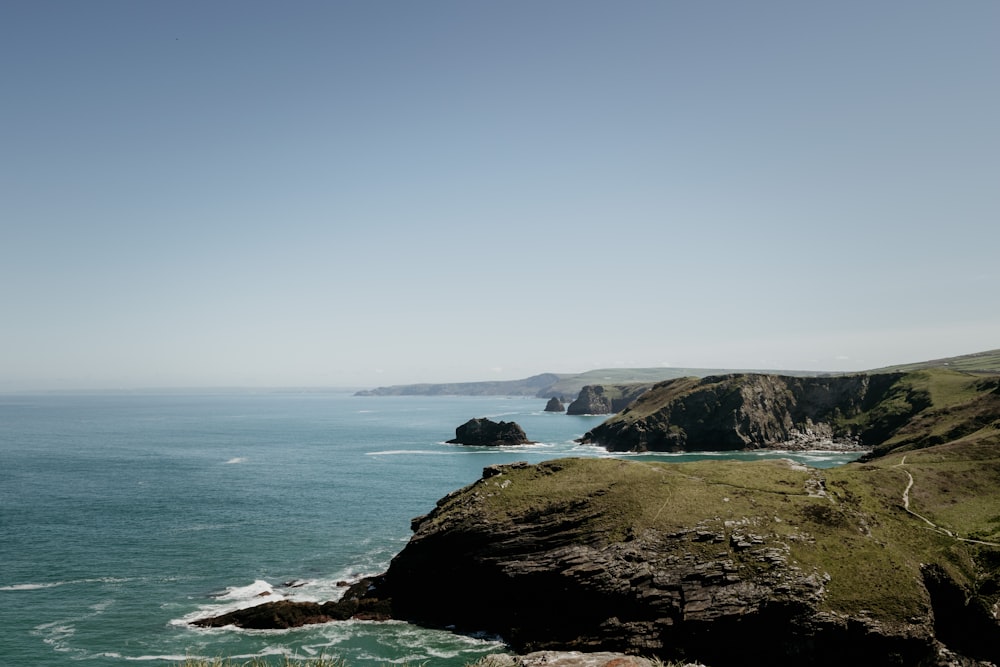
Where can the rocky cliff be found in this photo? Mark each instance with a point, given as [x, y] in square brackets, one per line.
[714, 561]
[754, 411]
[606, 399]
[895, 562]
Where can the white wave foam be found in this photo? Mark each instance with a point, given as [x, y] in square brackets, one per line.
[31, 587]
[147, 658]
[55, 584]
[319, 589]
[233, 599]
[235, 460]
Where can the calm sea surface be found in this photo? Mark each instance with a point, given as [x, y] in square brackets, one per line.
[124, 516]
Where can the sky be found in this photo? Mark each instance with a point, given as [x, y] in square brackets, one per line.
[340, 193]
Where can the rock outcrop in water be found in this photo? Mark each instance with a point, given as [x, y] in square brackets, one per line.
[482, 432]
[284, 614]
[555, 405]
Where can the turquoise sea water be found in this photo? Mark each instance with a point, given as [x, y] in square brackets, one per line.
[125, 515]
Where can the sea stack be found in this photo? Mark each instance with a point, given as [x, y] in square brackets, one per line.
[482, 432]
[555, 405]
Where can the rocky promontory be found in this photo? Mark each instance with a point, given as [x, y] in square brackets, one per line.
[482, 432]
[760, 411]
[875, 564]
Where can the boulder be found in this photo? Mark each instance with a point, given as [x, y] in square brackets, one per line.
[482, 432]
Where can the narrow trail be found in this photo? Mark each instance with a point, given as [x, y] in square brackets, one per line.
[934, 526]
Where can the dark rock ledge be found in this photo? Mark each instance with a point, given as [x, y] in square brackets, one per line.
[356, 603]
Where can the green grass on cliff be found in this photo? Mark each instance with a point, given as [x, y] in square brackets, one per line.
[958, 405]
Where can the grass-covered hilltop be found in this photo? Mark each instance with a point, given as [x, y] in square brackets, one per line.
[892, 560]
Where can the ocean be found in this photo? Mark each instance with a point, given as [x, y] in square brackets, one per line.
[125, 515]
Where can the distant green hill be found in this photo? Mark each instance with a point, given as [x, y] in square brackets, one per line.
[568, 385]
[536, 385]
[979, 362]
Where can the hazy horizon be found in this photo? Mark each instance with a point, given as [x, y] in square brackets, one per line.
[361, 194]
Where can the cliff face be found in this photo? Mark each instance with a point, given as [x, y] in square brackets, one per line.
[601, 399]
[752, 411]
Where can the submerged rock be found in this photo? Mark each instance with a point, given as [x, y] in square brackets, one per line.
[482, 432]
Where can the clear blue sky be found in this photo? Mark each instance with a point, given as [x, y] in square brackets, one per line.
[366, 193]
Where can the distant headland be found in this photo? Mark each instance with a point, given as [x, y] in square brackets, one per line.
[567, 386]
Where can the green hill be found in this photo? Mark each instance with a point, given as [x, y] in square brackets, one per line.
[978, 362]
